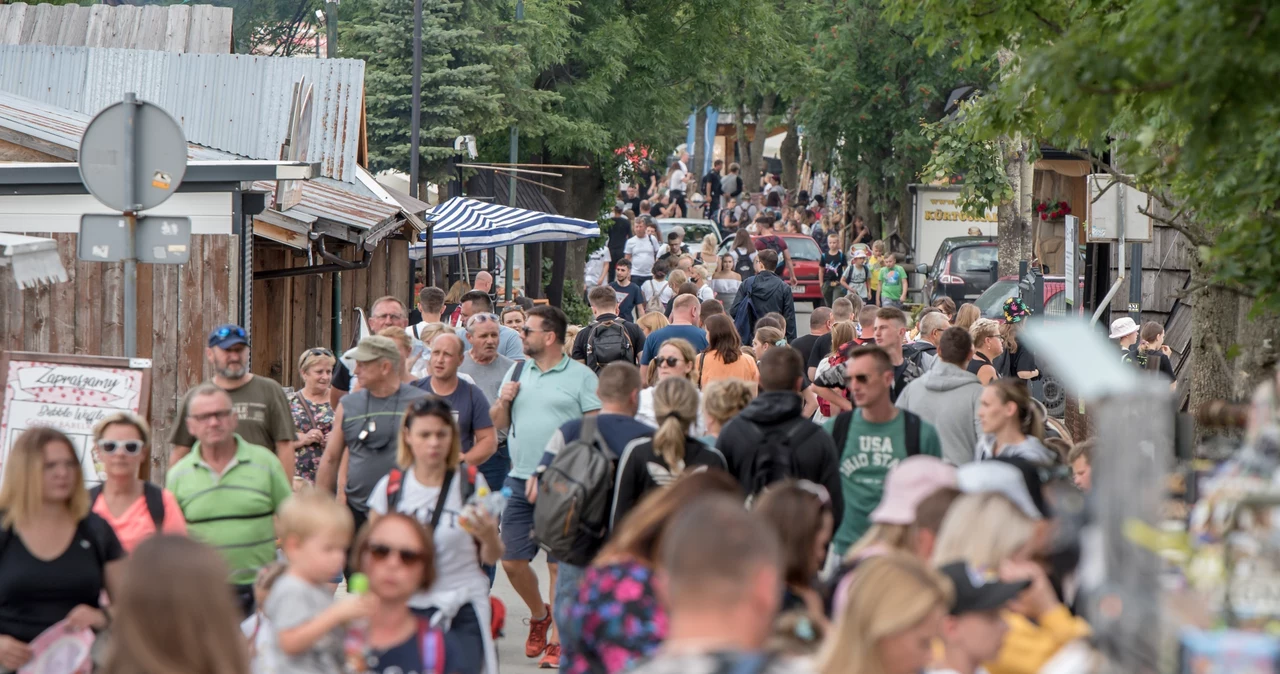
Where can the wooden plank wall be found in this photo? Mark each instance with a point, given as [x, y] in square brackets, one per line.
[178, 305]
[291, 315]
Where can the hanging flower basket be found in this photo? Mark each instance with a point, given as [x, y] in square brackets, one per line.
[1052, 210]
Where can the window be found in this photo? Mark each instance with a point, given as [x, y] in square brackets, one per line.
[802, 248]
[991, 302]
[971, 259]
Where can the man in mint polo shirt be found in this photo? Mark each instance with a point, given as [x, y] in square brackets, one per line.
[549, 390]
[228, 490]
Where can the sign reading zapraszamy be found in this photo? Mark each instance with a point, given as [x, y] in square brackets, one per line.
[70, 393]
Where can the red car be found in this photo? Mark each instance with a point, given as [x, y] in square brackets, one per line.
[806, 258]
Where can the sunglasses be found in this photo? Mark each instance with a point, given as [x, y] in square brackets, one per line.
[318, 351]
[201, 418]
[379, 553]
[669, 361]
[229, 331]
[528, 330]
[861, 378]
[481, 318]
[129, 447]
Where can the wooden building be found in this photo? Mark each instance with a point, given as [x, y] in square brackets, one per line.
[243, 241]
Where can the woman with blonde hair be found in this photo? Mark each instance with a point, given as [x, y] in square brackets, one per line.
[722, 400]
[453, 301]
[56, 555]
[183, 620]
[648, 464]
[765, 339]
[570, 334]
[133, 507]
[987, 346]
[708, 252]
[652, 321]
[312, 412]
[1012, 424]
[676, 359]
[429, 457]
[800, 512]
[888, 625]
[619, 582]
[966, 315]
[989, 532]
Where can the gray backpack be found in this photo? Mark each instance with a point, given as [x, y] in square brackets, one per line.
[571, 515]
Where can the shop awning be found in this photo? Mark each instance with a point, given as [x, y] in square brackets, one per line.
[462, 224]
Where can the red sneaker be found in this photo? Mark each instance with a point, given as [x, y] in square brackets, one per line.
[552, 659]
[537, 641]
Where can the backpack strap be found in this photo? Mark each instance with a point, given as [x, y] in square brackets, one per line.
[511, 414]
[840, 432]
[154, 496]
[702, 358]
[912, 424]
[395, 480]
[440, 500]
[431, 641]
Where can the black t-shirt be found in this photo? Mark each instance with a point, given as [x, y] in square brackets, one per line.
[832, 266]
[628, 299]
[978, 361]
[655, 210]
[643, 179]
[618, 235]
[35, 594]
[635, 332]
[805, 346]
[634, 204]
[712, 180]
[821, 348]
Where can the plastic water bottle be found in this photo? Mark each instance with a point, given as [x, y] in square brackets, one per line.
[356, 642]
[484, 498]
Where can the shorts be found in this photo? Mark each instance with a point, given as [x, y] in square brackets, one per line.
[517, 526]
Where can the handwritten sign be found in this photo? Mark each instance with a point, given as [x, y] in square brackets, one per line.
[70, 393]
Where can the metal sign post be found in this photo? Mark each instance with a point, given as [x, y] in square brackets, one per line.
[1072, 246]
[133, 156]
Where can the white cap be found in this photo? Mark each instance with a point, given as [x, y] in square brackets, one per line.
[1122, 327]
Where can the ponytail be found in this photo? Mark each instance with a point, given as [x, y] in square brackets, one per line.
[1030, 415]
[675, 404]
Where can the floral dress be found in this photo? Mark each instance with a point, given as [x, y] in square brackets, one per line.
[306, 416]
[617, 619]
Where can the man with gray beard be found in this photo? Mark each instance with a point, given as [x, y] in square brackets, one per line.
[259, 403]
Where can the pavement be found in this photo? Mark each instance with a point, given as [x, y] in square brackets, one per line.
[511, 646]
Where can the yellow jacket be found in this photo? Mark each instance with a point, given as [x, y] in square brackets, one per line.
[1028, 646]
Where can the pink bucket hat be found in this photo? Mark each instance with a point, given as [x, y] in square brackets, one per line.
[913, 480]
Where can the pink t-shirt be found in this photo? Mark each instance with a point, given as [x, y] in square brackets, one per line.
[135, 524]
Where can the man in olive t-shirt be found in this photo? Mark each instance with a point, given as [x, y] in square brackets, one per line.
[259, 403]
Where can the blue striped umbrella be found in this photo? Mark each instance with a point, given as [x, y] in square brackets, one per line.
[465, 225]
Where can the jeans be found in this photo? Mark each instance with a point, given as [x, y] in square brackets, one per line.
[495, 475]
[567, 582]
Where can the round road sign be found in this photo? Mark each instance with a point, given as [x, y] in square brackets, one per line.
[158, 153]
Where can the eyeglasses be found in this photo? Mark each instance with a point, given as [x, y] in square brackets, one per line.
[379, 553]
[387, 317]
[219, 415]
[669, 361]
[130, 447]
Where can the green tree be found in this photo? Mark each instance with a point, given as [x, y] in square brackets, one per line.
[1169, 93]
[877, 86]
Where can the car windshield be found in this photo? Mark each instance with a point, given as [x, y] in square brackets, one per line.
[973, 259]
[693, 231]
[991, 302]
[803, 248]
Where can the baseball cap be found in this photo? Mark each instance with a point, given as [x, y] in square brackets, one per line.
[227, 336]
[976, 591]
[1122, 327]
[374, 347]
[913, 480]
[1001, 477]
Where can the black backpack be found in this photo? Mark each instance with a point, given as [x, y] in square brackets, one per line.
[775, 456]
[912, 432]
[744, 265]
[575, 496]
[607, 342]
[153, 495]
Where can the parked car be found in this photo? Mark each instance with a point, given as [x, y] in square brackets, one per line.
[694, 230]
[961, 270]
[806, 257]
[991, 302]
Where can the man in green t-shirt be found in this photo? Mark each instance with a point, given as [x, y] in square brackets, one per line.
[893, 282]
[877, 441]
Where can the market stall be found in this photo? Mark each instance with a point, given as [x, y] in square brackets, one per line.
[462, 225]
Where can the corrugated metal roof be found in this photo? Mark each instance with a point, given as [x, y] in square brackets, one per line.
[492, 184]
[339, 202]
[236, 103]
[202, 29]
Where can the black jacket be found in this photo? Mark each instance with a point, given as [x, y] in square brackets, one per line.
[778, 412]
[768, 293]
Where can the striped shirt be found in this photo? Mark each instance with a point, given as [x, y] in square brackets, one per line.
[234, 512]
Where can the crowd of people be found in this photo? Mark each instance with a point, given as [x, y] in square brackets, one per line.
[712, 491]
